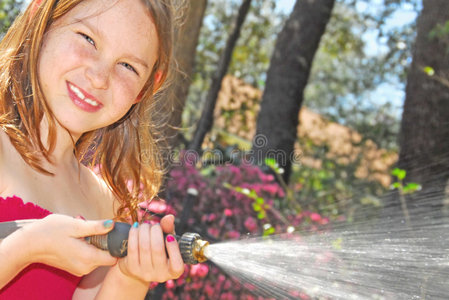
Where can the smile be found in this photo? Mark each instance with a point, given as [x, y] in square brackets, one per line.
[82, 99]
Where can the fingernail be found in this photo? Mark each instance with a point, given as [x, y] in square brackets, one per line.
[136, 224]
[108, 223]
[170, 238]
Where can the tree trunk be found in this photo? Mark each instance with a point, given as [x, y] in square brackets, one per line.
[424, 136]
[287, 77]
[184, 53]
[206, 120]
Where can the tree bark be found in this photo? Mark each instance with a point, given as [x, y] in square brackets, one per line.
[287, 78]
[424, 136]
[184, 53]
[206, 120]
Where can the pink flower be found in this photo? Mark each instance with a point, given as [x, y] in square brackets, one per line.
[233, 234]
[227, 285]
[228, 212]
[209, 290]
[315, 217]
[170, 284]
[251, 224]
[199, 270]
[228, 296]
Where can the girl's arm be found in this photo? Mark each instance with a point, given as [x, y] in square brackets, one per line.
[12, 258]
[57, 241]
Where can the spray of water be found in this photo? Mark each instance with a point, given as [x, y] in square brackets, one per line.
[385, 260]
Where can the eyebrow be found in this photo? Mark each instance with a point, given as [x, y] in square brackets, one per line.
[136, 59]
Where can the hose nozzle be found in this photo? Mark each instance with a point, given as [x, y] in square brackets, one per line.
[191, 245]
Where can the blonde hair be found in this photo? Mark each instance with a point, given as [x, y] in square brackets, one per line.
[126, 150]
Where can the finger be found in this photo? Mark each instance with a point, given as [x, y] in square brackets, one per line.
[176, 264]
[133, 246]
[158, 256]
[145, 247]
[89, 228]
[168, 224]
[97, 257]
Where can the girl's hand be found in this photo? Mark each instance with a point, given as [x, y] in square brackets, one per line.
[58, 241]
[147, 258]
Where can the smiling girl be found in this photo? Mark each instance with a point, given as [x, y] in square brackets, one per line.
[78, 82]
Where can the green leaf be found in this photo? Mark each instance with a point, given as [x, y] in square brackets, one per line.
[399, 173]
[252, 194]
[261, 215]
[412, 187]
[271, 162]
[257, 207]
[337, 243]
[260, 200]
[269, 231]
[429, 71]
[227, 185]
[395, 185]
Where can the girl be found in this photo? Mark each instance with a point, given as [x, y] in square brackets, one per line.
[77, 82]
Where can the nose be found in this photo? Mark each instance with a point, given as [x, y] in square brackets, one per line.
[98, 73]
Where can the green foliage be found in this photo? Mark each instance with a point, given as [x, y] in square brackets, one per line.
[251, 55]
[9, 9]
[333, 189]
[259, 205]
[404, 189]
[429, 71]
[347, 70]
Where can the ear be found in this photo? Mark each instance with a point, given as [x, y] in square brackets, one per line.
[158, 80]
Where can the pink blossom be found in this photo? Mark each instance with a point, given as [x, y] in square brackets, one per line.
[251, 224]
[211, 217]
[170, 284]
[228, 296]
[153, 285]
[271, 188]
[209, 290]
[227, 285]
[324, 221]
[315, 217]
[213, 231]
[228, 212]
[199, 270]
[233, 234]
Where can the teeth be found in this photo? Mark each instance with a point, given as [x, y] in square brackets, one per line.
[91, 102]
[81, 95]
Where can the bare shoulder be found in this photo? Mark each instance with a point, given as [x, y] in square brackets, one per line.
[100, 193]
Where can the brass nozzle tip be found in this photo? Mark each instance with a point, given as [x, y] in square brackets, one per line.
[192, 248]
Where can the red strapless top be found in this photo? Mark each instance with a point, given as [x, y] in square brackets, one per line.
[37, 281]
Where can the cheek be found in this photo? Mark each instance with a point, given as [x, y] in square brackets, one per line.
[126, 87]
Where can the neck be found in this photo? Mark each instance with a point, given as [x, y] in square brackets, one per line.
[62, 156]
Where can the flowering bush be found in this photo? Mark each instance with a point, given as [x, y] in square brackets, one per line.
[232, 202]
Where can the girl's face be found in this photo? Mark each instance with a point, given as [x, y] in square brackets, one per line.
[95, 60]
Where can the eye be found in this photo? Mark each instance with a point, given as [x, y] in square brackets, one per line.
[87, 38]
[129, 67]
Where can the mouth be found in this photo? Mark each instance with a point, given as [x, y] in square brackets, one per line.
[82, 99]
